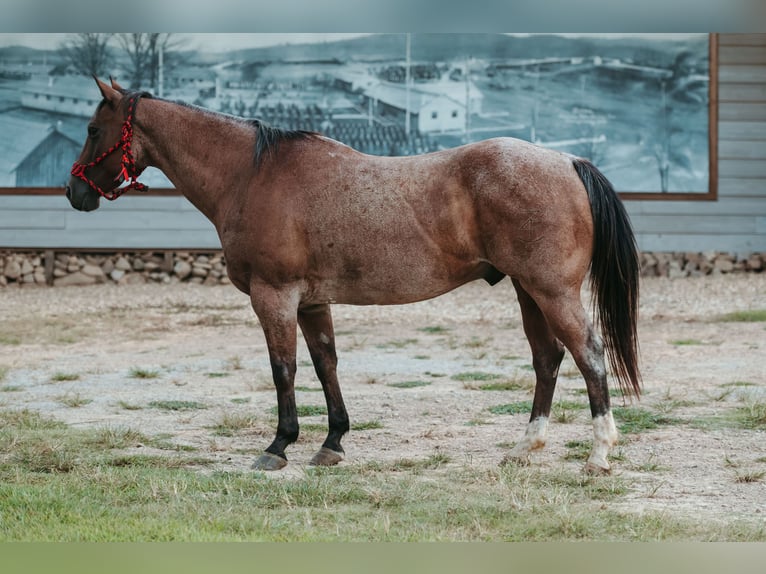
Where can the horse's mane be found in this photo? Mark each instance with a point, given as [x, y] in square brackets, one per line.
[267, 138]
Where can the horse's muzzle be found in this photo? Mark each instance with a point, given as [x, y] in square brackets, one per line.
[82, 197]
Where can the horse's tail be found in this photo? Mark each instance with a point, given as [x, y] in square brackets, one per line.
[614, 276]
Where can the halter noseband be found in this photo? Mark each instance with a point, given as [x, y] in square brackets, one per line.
[128, 169]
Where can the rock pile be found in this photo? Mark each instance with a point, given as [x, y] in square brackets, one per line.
[690, 264]
[58, 269]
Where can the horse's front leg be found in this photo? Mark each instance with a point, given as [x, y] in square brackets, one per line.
[316, 324]
[277, 311]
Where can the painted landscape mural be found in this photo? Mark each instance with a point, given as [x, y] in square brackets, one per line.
[636, 105]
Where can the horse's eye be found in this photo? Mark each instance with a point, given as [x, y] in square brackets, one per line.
[93, 131]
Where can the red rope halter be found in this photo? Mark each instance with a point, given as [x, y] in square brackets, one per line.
[128, 169]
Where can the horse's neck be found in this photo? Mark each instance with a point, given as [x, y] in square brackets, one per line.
[201, 153]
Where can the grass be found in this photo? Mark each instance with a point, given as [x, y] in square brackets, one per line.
[306, 410]
[631, 420]
[66, 484]
[177, 405]
[686, 342]
[232, 423]
[73, 400]
[306, 389]
[129, 406]
[366, 425]
[10, 388]
[60, 377]
[512, 408]
[3, 373]
[749, 316]
[216, 375]
[751, 415]
[409, 384]
[476, 376]
[397, 344]
[140, 373]
[434, 330]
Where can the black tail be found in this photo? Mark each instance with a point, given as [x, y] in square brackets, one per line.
[614, 274]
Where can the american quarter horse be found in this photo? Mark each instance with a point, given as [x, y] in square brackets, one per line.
[306, 221]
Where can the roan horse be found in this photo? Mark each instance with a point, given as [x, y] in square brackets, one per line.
[306, 221]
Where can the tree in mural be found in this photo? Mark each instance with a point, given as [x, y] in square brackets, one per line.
[673, 148]
[88, 53]
[144, 61]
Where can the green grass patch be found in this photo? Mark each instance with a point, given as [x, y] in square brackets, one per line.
[231, 423]
[305, 410]
[434, 330]
[11, 388]
[512, 408]
[27, 420]
[177, 405]
[60, 377]
[306, 389]
[739, 384]
[366, 425]
[476, 376]
[156, 461]
[7, 339]
[73, 400]
[216, 375]
[749, 316]
[129, 406]
[686, 342]
[241, 400]
[397, 344]
[409, 384]
[752, 415]
[3, 373]
[509, 385]
[632, 420]
[578, 450]
[140, 373]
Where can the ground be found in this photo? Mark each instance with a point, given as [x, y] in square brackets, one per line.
[188, 364]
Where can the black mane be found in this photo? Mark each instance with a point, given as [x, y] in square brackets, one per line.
[267, 138]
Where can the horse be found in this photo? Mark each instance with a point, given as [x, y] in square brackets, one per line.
[306, 221]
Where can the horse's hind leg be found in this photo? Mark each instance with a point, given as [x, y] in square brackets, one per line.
[547, 353]
[316, 324]
[568, 320]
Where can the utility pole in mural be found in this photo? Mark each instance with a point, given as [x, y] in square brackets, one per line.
[148, 55]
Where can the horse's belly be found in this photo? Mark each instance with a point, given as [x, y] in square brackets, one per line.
[394, 285]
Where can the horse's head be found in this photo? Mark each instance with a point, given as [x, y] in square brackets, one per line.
[106, 160]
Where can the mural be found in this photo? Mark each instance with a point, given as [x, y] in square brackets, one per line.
[636, 105]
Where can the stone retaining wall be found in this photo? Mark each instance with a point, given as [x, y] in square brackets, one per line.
[59, 269]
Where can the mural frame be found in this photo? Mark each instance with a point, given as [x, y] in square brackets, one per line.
[710, 195]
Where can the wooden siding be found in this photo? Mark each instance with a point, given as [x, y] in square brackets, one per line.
[735, 222]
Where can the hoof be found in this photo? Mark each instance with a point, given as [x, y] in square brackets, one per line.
[593, 469]
[515, 460]
[326, 457]
[268, 461]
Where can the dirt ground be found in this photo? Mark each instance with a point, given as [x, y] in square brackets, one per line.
[203, 345]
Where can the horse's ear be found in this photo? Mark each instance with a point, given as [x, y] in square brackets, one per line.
[110, 94]
[115, 85]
